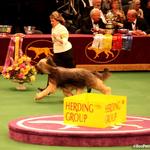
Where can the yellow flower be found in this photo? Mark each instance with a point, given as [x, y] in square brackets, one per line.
[9, 68]
[21, 70]
[28, 59]
[28, 67]
[16, 68]
[33, 69]
[26, 71]
[20, 61]
[7, 76]
[32, 78]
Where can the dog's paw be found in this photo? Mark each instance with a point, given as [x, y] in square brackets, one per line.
[38, 96]
[108, 91]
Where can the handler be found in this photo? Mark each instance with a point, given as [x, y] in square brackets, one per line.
[62, 48]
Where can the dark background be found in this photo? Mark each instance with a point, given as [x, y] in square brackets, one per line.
[20, 13]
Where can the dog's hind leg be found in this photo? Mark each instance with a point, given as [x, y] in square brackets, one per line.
[89, 90]
[100, 86]
[67, 92]
[36, 56]
[79, 90]
[51, 88]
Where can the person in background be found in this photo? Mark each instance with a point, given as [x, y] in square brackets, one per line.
[136, 25]
[106, 5]
[126, 4]
[93, 23]
[82, 4]
[62, 48]
[146, 9]
[136, 4]
[95, 4]
[116, 9]
[85, 12]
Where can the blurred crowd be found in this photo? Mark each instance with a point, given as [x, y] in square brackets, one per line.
[80, 15]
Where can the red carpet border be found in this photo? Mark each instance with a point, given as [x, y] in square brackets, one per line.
[50, 130]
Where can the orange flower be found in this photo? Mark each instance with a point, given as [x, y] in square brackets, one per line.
[21, 70]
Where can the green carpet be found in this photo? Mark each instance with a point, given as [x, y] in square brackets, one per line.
[15, 104]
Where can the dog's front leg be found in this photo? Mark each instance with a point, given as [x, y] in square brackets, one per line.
[67, 92]
[79, 90]
[100, 86]
[51, 88]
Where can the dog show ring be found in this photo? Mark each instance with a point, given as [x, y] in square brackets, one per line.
[51, 130]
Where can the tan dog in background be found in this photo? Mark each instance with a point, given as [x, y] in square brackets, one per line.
[40, 50]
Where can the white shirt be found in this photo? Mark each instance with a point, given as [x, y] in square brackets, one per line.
[103, 17]
[134, 25]
[95, 26]
[90, 2]
[63, 34]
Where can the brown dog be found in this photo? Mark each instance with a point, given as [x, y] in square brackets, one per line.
[69, 79]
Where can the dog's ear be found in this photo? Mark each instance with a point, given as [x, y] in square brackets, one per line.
[50, 61]
[45, 67]
[48, 69]
[38, 69]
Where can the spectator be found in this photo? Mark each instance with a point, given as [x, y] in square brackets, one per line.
[116, 8]
[92, 23]
[85, 13]
[82, 4]
[106, 5]
[124, 2]
[146, 9]
[126, 5]
[96, 4]
[135, 24]
[136, 4]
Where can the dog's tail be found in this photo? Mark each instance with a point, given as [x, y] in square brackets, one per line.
[103, 75]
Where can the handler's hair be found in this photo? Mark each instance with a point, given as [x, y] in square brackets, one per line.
[57, 16]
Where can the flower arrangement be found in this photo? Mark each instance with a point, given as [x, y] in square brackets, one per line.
[21, 70]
